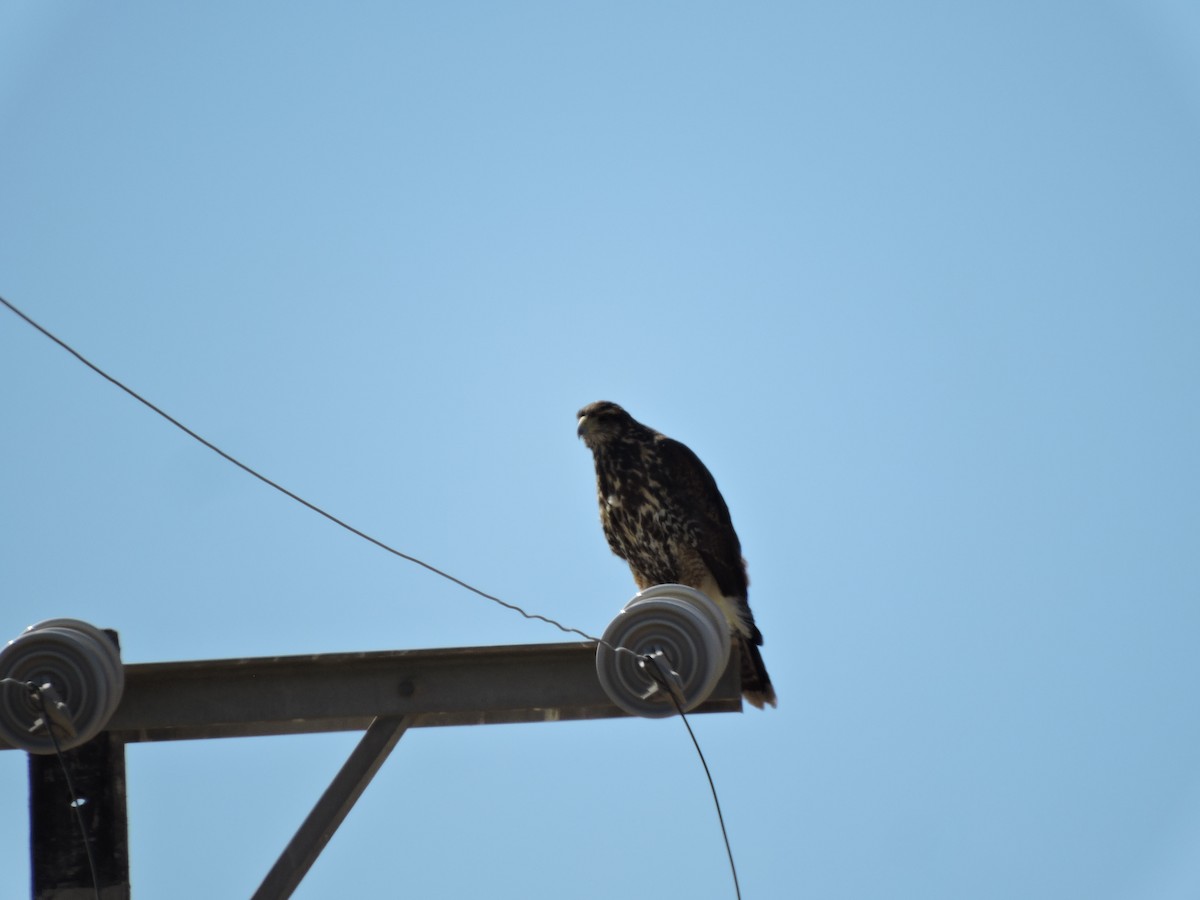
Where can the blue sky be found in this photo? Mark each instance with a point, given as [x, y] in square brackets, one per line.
[918, 282]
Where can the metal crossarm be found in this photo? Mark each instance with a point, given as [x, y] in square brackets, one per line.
[347, 691]
[382, 693]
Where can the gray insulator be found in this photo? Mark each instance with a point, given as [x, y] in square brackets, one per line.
[681, 623]
[83, 667]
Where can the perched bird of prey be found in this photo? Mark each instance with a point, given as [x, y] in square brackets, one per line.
[662, 514]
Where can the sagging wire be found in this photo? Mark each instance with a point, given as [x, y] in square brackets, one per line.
[652, 664]
[657, 667]
[267, 481]
[39, 691]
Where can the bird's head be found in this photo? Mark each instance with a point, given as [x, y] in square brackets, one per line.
[602, 422]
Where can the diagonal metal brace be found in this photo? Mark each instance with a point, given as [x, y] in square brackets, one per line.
[337, 801]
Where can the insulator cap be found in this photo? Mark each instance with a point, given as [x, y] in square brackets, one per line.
[82, 665]
[688, 629]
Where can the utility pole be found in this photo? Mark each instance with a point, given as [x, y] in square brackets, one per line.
[59, 856]
[382, 693]
[85, 789]
[68, 700]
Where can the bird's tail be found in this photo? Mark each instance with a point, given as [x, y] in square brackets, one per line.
[756, 683]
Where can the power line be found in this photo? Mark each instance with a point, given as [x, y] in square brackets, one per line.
[267, 481]
[667, 680]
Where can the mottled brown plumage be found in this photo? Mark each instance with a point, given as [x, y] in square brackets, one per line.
[662, 514]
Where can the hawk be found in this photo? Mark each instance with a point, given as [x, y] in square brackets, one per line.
[662, 514]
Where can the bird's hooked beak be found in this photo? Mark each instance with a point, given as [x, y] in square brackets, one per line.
[582, 430]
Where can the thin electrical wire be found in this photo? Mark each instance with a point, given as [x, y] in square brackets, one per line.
[737, 888]
[36, 691]
[383, 546]
[663, 678]
[312, 506]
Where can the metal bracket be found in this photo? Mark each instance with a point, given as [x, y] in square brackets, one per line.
[333, 807]
[658, 667]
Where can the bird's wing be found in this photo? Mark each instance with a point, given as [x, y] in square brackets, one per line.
[697, 494]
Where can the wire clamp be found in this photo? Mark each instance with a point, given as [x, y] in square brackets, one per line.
[665, 678]
[55, 710]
